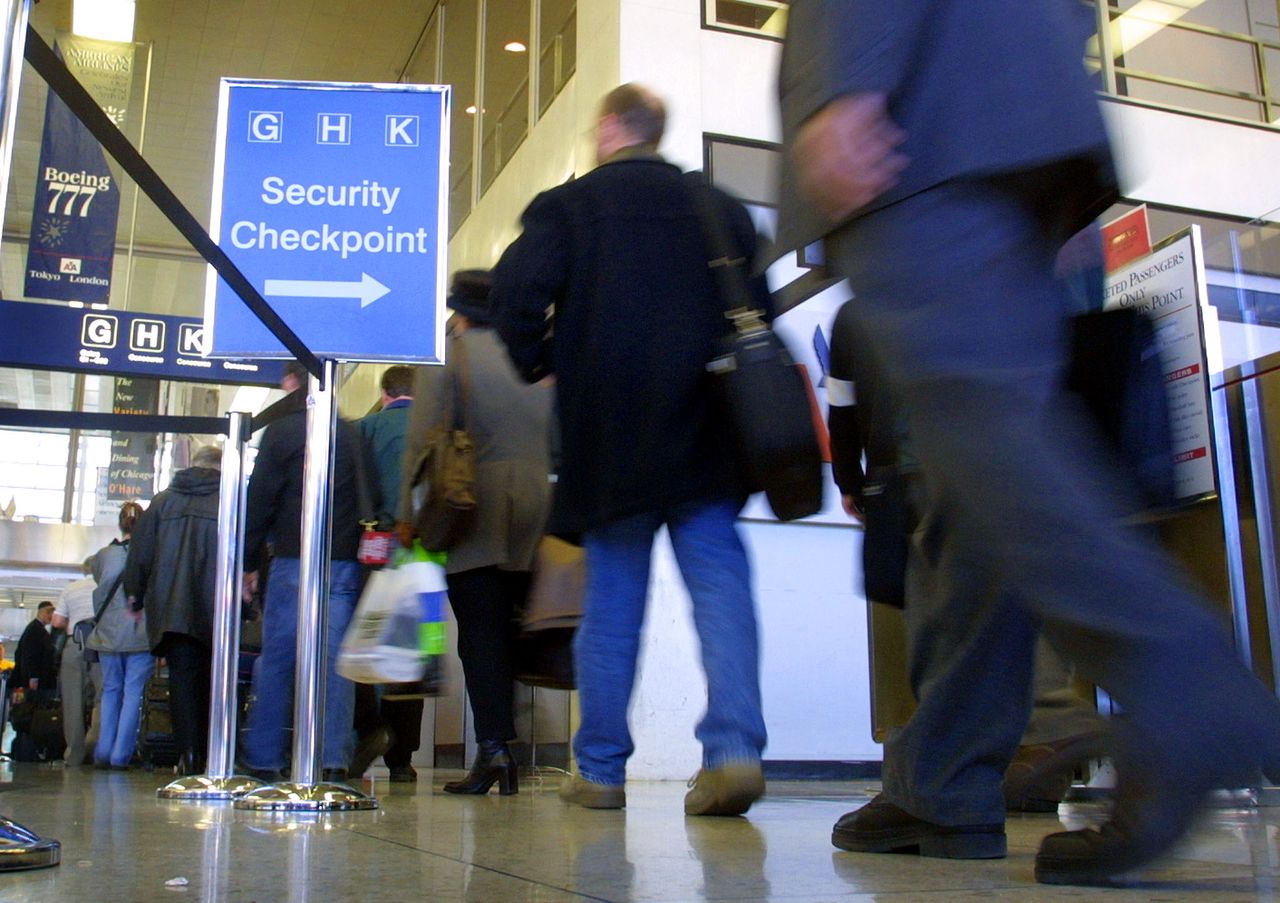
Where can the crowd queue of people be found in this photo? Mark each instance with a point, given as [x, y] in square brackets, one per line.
[943, 153]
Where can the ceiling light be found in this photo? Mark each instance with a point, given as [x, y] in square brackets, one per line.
[514, 47]
[108, 20]
[471, 110]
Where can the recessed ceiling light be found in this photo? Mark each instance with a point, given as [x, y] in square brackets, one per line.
[514, 47]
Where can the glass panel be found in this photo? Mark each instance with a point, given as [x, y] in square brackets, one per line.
[1271, 59]
[505, 120]
[1191, 99]
[748, 172]
[1227, 15]
[459, 70]
[1156, 38]
[558, 54]
[1196, 57]
[423, 68]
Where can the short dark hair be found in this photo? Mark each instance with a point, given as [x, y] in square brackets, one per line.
[641, 111]
[43, 605]
[397, 381]
[296, 370]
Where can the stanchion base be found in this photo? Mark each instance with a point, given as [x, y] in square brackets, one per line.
[22, 849]
[290, 797]
[203, 787]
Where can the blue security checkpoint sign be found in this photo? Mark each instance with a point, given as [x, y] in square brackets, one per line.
[332, 199]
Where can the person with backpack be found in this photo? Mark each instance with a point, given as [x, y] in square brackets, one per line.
[123, 651]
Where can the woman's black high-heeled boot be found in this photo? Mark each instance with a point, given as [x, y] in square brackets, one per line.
[493, 763]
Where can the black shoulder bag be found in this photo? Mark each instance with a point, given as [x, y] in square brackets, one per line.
[763, 391]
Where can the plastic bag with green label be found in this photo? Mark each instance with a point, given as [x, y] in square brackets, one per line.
[397, 634]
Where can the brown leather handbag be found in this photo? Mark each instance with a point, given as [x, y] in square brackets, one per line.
[444, 477]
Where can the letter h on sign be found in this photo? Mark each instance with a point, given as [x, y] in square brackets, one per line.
[147, 335]
[333, 128]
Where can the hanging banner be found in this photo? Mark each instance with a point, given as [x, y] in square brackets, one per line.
[77, 202]
[131, 475]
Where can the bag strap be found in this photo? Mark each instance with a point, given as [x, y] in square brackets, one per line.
[727, 266]
[115, 587]
[461, 387]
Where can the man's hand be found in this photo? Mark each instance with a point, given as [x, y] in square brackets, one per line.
[851, 507]
[135, 614]
[845, 155]
[249, 586]
[405, 533]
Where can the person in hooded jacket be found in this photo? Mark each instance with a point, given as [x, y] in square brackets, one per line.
[171, 574]
[124, 652]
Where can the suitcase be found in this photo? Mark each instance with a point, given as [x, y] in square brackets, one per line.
[37, 722]
[157, 747]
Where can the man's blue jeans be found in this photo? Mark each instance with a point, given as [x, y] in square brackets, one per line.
[714, 565]
[265, 740]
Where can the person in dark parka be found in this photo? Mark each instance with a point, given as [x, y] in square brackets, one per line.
[609, 289]
[171, 574]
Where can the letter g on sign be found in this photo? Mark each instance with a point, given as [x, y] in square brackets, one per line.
[265, 126]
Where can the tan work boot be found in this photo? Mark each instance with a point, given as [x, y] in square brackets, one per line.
[591, 795]
[727, 790]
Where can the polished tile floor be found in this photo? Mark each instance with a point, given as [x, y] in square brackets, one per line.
[121, 843]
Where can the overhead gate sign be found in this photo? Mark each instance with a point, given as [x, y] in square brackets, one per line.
[331, 198]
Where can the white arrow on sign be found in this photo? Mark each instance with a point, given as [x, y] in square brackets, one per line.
[367, 289]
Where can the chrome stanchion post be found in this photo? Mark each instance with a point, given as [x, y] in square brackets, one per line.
[303, 792]
[19, 847]
[221, 781]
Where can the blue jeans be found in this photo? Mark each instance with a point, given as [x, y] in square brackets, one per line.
[714, 565]
[124, 677]
[265, 741]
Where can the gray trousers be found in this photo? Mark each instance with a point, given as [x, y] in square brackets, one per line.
[73, 681]
[964, 320]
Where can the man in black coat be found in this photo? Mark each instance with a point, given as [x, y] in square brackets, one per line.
[34, 659]
[275, 515]
[608, 289]
[171, 574]
[945, 151]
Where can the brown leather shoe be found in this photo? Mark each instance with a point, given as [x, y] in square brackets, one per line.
[590, 795]
[1039, 776]
[881, 827]
[727, 790]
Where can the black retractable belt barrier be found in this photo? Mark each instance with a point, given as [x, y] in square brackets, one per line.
[124, 423]
[42, 58]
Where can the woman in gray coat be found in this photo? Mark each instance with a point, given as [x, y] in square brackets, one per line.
[488, 570]
[123, 651]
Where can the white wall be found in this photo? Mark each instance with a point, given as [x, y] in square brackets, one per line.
[1199, 164]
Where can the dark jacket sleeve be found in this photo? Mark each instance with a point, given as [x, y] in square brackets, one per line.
[744, 234]
[528, 282]
[142, 551]
[266, 486]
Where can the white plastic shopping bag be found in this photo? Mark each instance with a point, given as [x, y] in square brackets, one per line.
[384, 644]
